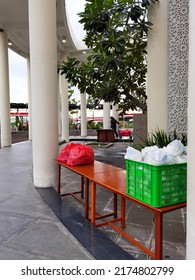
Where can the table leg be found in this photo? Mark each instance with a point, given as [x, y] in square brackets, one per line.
[86, 196]
[93, 202]
[82, 186]
[115, 205]
[123, 203]
[158, 235]
[59, 178]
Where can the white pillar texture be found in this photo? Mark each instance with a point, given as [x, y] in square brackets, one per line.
[43, 63]
[59, 106]
[4, 92]
[64, 107]
[106, 115]
[115, 112]
[29, 101]
[157, 73]
[190, 252]
[83, 114]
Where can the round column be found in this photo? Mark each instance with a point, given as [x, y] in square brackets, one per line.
[83, 114]
[190, 252]
[4, 92]
[106, 115]
[157, 73]
[115, 114]
[64, 107]
[29, 101]
[43, 63]
[59, 107]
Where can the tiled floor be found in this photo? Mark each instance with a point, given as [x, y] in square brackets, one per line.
[37, 223]
[28, 227]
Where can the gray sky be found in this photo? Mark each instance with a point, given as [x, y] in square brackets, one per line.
[18, 64]
[17, 78]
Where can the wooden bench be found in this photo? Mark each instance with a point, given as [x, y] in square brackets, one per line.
[114, 179]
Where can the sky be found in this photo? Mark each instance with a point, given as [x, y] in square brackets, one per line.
[18, 64]
[75, 26]
[17, 78]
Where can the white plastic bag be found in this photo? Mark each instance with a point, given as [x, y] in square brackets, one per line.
[175, 148]
[133, 154]
[158, 157]
[147, 150]
[181, 159]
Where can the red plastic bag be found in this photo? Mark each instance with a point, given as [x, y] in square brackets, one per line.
[81, 155]
[63, 155]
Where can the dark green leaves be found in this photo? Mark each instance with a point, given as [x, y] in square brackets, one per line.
[116, 31]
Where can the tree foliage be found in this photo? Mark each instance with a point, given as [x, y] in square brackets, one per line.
[115, 71]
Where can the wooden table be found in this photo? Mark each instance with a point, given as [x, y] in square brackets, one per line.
[86, 172]
[116, 182]
[114, 179]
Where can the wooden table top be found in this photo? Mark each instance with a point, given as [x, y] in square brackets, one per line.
[114, 179]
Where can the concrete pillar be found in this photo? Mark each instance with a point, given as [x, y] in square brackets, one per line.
[64, 107]
[157, 74]
[4, 92]
[190, 252]
[106, 115]
[29, 101]
[43, 63]
[115, 112]
[59, 107]
[83, 114]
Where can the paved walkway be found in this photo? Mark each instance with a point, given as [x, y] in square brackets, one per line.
[28, 228]
[36, 224]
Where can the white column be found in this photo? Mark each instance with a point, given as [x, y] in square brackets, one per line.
[83, 114]
[190, 252]
[115, 112]
[106, 115]
[43, 63]
[157, 73]
[29, 101]
[59, 107]
[4, 92]
[64, 107]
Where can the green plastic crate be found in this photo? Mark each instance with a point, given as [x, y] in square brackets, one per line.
[156, 185]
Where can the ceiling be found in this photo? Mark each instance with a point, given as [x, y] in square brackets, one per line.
[14, 21]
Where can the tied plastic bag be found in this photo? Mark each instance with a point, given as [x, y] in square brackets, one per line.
[63, 155]
[147, 150]
[133, 154]
[158, 157]
[81, 155]
[175, 148]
